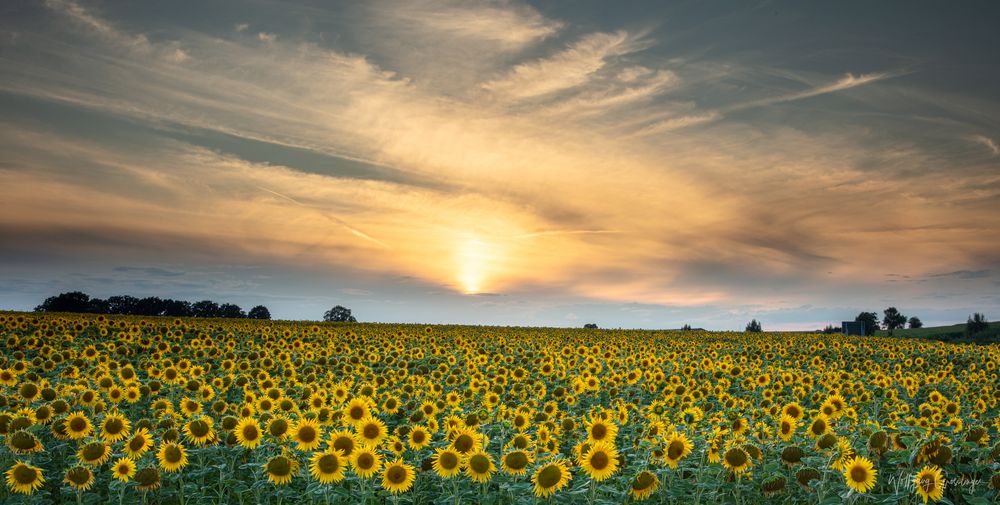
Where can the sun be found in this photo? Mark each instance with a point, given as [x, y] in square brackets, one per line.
[474, 259]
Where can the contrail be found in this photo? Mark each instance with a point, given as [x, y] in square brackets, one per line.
[354, 231]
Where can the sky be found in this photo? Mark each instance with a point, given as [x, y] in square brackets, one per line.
[629, 164]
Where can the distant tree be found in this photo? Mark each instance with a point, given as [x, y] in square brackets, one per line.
[232, 311]
[73, 301]
[590, 326]
[123, 305]
[871, 322]
[150, 306]
[915, 322]
[754, 327]
[99, 306]
[893, 319]
[205, 308]
[259, 312]
[976, 323]
[176, 308]
[339, 314]
[830, 329]
[686, 327]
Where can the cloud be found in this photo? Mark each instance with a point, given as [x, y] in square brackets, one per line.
[154, 271]
[241, 27]
[988, 142]
[510, 25]
[267, 37]
[566, 69]
[136, 43]
[964, 274]
[847, 82]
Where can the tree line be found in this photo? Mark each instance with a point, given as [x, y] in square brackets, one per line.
[76, 301]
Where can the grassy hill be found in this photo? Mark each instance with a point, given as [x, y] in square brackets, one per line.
[952, 333]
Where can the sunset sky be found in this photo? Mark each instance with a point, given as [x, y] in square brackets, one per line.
[631, 164]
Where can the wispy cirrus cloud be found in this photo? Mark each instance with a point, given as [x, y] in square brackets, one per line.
[988, 143]
[682, 121]
[567, 68]
[509, 25]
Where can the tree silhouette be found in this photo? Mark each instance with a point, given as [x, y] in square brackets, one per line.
[893, 319]
[591, 326]
[915, 322]
[231, 310]
[205, 308]
[976, 323]
[754, 327]
[871, 322]
[339, 314]
[123, 304]
[74, 301]
[259, 312]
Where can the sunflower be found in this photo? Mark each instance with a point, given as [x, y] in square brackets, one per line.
[24, 442]
[819, 427]
[644, 485]
[479, 466]
[736, 460]
[78, 426]
[418, 438]
[307, 434]
[447, 462]
[929, 483]
[281, 469]
[172, 456]
[786, 427]
[860, 474]
[467, 441]
[344, 441]
[328, 466]
[550, 477]
[94, 453]
[248, 433]
[397, 477]
[114, 427]
[678, 448]
[24, 479]
[365, 462]
[278, 428]
[123, 469]
[138, 444]
[371, 431]
[79, 478]
[147, 479]
[600, 461]
[355, 411]
[199, 430]
[190, 406]
[599, 430]
[793, 410]
[516, 462]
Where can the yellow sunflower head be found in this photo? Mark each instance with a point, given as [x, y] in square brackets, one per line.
[24, 479]
[860, 474]
[397, 477]
[550, 478]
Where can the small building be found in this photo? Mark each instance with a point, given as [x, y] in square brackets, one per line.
[853, 328]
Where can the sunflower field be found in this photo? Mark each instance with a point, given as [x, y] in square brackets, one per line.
[99, 409]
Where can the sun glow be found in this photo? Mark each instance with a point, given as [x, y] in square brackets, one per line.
[474, 259]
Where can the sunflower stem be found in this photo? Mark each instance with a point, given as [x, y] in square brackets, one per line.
[180, 489]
